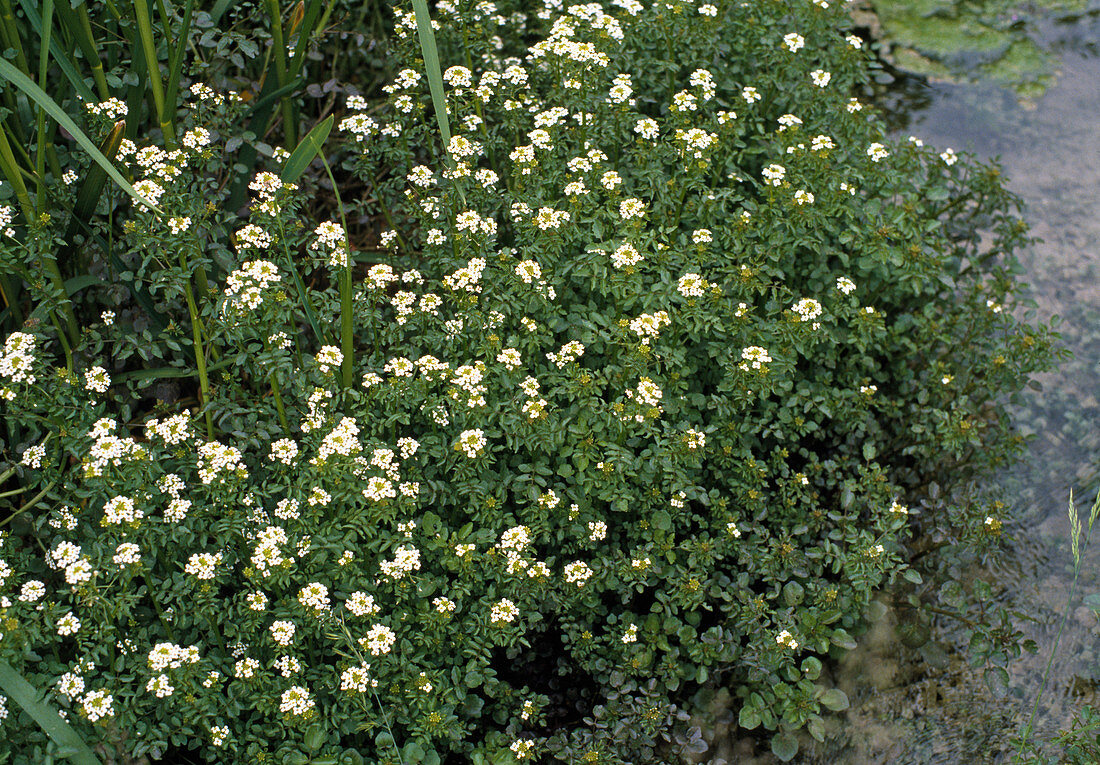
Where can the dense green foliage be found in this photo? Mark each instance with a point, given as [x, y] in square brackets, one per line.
[628, 392]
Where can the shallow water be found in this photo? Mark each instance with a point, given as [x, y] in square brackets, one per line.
[928, 706]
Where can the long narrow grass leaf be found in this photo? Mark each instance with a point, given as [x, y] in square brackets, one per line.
[305, 31]
[39, 96]
[166, 113]
[309, 148]
[26, 696]
[175, 61]
[63, 60]
[431, 65]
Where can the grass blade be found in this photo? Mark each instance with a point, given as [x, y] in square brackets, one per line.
[25, 695]
[309, 148]
[175, 61]
[39, 96]
[278, 47]
[431, 65]
[63, 60]
[165, 117]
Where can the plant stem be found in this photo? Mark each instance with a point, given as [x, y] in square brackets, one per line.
[165, 113]
[347, 318]
[200, 356]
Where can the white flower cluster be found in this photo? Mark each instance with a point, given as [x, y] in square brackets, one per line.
[314, 596]
[331, 241]
[244, 288]
[119, 509]
[503, 612]
[754, 357]
[203, 565]
[268, 553]
[696, 141]
[296, 701]
[405, 559]
[808, 309]
[626, 255]
[379, 640]
[567, 354]
[17, 360]
[692, 285]
[578, 572]
[171, 430]
[648, 326]
[342, 439]
[113, 109]
[785, 639]
[357, 678]
[219, 462]
[471, 442]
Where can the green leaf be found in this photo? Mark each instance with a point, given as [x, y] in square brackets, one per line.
[39, 96]
[996, 679]
[784, 746]
[840, 637]
[913, 576]
[27, 696]
[662, 521]
[811, 667]
[308, 148]
[835, 699]
[749, 718]
[315, 736]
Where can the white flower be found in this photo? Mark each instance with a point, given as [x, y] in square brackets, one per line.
[503, 612]
[379, 640]
[793, 42]
[773, 174]
[96, 379]
[471, 442]
[949, 157]
[296, 701]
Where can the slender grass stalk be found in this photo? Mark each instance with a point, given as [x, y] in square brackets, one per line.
[79, 27]
[278, 46]
[92, 53]
[1075, 547]
[43, 65]
[11, 33]
[29, 503]
[347, 317]
[200, 355]
[175, 64]
[166, 113]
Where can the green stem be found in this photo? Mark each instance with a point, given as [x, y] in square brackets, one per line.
[94, 61]
[277, 393]
[200, 356]
[1061, 626]
[34, 501]
[165, 117]
[278, 45]
[347, 318]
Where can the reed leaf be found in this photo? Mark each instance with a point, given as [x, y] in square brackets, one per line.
[305, 152]
[426, 35]
[27, 696]
[175, 61]
[64, 60]
[39, 96]
[166, 115]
